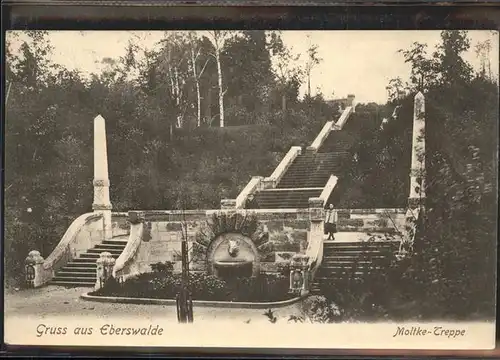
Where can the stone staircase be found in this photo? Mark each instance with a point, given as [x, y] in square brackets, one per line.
[82, 270]
[351, 261]
[286, 198]
[311, 169]
[308, 174]
[338, 141]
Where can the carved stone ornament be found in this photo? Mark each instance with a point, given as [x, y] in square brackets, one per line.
[232, 237]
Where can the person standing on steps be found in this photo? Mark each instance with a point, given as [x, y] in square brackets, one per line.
[251, 203]
[330, 226]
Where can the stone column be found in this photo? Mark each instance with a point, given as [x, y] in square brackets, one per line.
[101, 204]
[417, 172]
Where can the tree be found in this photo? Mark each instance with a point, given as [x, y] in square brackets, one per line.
[423, 69]
[395, 89]
[452, 67]
[312, 60]
[248, 76]
[33, 67]
[174, 60]
[483, 50]
[285, 68]
[453, 251]
[195, 49]
[218, 38]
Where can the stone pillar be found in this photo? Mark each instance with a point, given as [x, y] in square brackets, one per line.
[104, 269]
[299, 274]
[101, 204]
[417, 172]
[316, 217]
[35, 275]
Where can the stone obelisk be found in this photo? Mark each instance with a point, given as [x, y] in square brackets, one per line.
[417, 173]
[101, 204]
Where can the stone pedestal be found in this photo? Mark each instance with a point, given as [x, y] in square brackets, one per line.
[35, 275]
[299, 274]
[267, 183]
[104, 269]
[102, 203]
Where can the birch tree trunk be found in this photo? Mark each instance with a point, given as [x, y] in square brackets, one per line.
[221, 92]
[197, 83]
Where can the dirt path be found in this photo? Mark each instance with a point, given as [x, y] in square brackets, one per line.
[53, 301]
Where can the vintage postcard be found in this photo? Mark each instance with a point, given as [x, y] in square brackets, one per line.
[270, 189]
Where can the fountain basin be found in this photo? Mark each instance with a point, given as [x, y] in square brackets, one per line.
[232, 269]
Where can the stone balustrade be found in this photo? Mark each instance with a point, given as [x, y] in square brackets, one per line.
[328, 189]
[273, 180]
[323, 134]
[343, 118]
[83, 233]
[128, 262]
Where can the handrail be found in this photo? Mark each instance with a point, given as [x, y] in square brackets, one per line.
[68, 237]
[284, 164]
[315, 253]
[133, 243]
[322, 135]
[343, 118]
[328, 189]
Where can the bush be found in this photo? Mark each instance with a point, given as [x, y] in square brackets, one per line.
[318, 309]
[164, 285]
[166, 267]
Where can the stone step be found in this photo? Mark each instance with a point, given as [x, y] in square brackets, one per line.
[361, 248]
[83, 261]
[76, 279]
[325, 277]
[101, 250]
[333, 268]
[285, 198]
[331, 258]
[111, 246]
[71, 283]
[95, 256]
[115, 241]
[75, 267]
[75, 274]
[368, 245]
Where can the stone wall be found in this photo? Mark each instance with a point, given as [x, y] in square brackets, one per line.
[287, 230]
[287, 233]
[371, 220]
[120, 224]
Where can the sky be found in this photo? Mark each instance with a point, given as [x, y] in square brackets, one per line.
[353, 62]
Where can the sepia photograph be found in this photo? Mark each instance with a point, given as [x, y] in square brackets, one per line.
[251, 188]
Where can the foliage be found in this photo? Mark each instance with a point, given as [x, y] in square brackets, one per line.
[165, 285]
[317, 309]
[152, 110]
[454, 257]
[283, 268]
[163, 267]
[455, 244]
